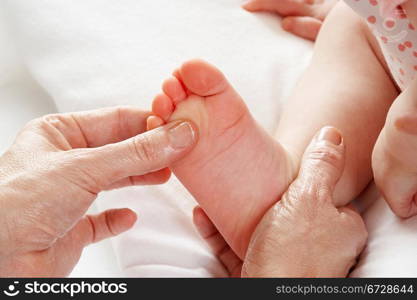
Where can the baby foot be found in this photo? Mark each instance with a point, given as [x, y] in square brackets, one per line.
[300, 17]
[236, 171]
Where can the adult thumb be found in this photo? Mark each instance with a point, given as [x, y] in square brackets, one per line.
[323, 161]
[147, 152]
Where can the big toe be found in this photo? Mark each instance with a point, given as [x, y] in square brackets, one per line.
[202, 78]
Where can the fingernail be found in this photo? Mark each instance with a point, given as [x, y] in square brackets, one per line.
[331, 135]
[181, 135]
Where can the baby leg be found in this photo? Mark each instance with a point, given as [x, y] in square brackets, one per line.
[346, 86]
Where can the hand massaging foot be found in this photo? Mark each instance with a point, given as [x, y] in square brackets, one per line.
[236, 171]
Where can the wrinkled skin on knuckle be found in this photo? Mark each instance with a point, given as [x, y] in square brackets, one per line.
[307, 197]
[296, 213]
[323, 154]
[48, 123]
[52, 132]
[37, 137]
[41, 122]
[39, 125]
[302, 191]
[144, 149]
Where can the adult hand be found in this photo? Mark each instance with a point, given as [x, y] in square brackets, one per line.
[54, 171]
[304, 234]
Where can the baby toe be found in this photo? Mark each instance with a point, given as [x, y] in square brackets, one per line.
[202, 78]
[172, 87]
[163, 106]
[153, 122]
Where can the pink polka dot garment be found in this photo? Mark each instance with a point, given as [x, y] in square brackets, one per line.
[396, 36]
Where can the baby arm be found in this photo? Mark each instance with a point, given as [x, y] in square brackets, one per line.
[394, 159]
[302, 18]
[346, 86]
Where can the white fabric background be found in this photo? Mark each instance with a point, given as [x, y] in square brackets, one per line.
[84, 54]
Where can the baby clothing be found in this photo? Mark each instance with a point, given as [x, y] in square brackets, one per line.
[388, 7]
[395, 34]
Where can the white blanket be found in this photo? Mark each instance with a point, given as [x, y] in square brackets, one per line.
[92, 53]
